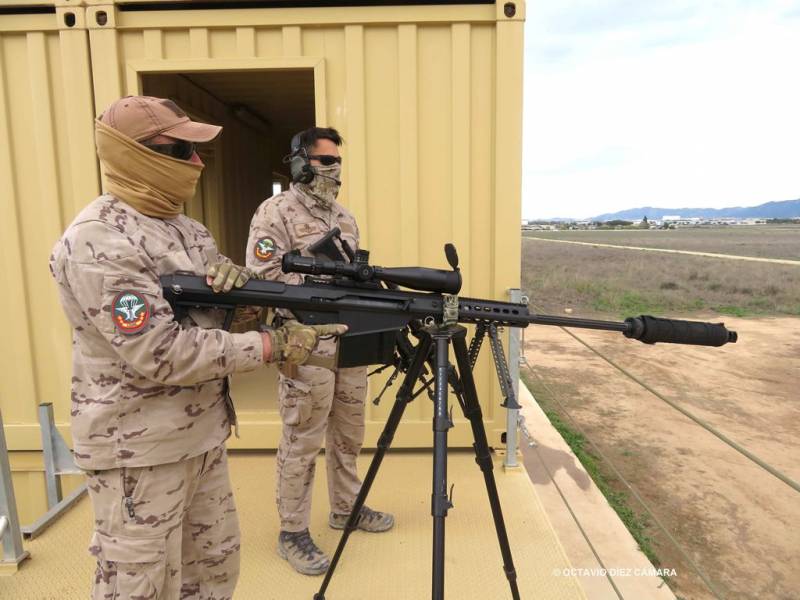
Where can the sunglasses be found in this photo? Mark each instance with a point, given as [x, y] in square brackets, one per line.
[326, 159]
[181, 149]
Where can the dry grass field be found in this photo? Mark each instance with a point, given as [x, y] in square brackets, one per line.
[731, 517]
[619, 282]
[768, 241]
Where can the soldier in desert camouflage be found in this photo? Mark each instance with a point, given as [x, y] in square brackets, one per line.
[150, 404]
[316, 404]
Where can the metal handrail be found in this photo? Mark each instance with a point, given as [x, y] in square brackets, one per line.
[57, 461]
[10, 532]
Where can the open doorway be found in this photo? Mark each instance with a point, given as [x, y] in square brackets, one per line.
[259, 111]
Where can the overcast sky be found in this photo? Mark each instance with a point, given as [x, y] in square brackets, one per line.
[660, 103]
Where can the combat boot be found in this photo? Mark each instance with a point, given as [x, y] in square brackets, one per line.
[368, 520]
[302, 553]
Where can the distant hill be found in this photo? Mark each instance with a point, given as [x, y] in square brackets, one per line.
[788, 209]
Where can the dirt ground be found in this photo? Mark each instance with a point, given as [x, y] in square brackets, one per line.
[735, 520]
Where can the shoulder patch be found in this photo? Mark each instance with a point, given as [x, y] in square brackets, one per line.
[130, 312]
[264, 248]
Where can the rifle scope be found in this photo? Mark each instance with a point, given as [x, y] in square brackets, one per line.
[416, 278]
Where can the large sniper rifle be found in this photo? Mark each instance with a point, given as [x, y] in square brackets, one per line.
[380, 316]
[382, 319]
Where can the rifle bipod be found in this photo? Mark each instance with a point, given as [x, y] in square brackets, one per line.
[438, 338]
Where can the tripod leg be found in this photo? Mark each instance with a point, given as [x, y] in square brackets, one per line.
[404, 396]
[472, 411]
[440, 502]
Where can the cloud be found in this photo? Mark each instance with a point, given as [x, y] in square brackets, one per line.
[603, 158]
[679, 105]
[591, 16]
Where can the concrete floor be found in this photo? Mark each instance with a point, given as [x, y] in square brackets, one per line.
[394, 565]
[558, 522]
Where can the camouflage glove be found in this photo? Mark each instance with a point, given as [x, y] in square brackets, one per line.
[294, 342]
[225, 275]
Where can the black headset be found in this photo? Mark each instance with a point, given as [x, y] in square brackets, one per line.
[299, 164]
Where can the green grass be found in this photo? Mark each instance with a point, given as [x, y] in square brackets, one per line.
[605, 298]
[600, 474]
[734, 311]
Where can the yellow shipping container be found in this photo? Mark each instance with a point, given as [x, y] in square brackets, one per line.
[427, 96]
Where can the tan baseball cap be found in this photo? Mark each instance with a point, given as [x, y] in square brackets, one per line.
[142, 117]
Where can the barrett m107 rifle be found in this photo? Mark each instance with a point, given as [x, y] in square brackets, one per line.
[368, 300]
[381, 317]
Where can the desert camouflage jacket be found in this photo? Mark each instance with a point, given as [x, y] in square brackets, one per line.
[289, 221]
[145, 389]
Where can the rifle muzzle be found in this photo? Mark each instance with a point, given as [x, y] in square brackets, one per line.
[650, 330]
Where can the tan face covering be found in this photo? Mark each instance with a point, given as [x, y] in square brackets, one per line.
[154, 184]
[324, 188]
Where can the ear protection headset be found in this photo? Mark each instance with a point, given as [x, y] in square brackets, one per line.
[299, 164]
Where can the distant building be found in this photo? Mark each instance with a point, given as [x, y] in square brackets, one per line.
[678, 220]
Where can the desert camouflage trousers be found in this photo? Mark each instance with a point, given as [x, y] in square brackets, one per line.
[319, 404]
[165, 532]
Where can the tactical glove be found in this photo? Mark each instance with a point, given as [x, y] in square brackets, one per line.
[223, 276]
[294, 342]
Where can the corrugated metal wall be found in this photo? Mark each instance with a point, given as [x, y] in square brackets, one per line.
[48, 172]
[429, 99]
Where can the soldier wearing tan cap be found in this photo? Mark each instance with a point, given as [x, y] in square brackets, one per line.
[150, 404]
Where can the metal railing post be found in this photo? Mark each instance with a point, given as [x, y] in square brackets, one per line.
[10, 533]
[57, 461]
[512, 415]
[47, 428]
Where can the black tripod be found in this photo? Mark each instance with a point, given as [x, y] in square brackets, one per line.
[439, 339]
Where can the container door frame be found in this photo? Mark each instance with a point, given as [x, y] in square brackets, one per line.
[135, 69]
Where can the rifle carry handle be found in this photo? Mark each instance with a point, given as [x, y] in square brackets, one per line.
[650, 330]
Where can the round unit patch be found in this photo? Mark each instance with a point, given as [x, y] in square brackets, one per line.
[130, 312]
[264, 248]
